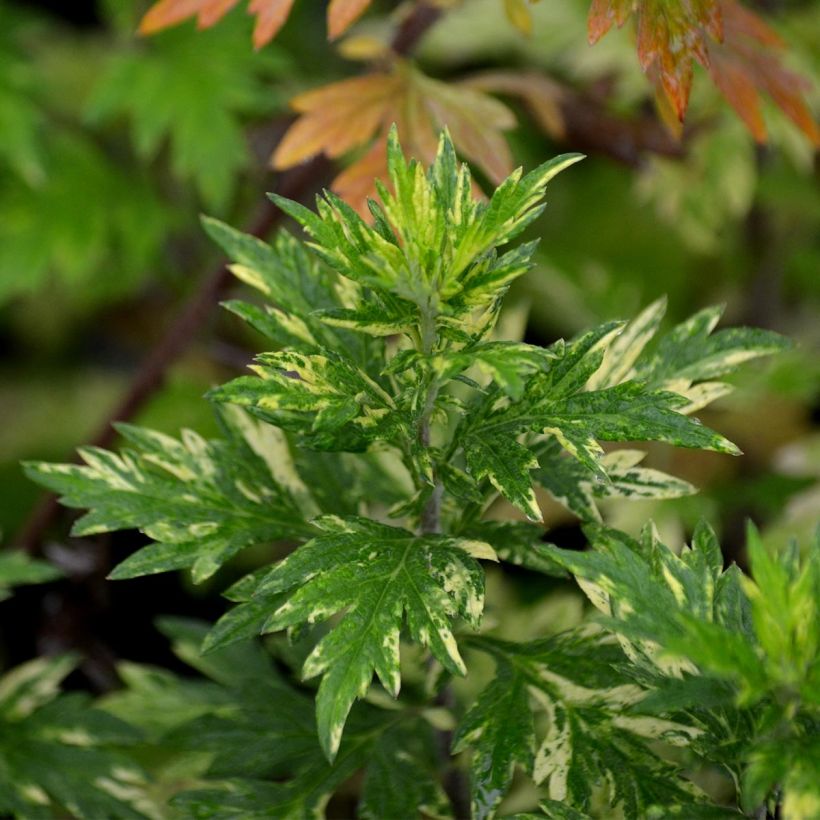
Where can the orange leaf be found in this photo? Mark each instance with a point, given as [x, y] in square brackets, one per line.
[356, 114]
[341, 14]
[734, 44]
[603, 14]
[271, 15]
[336, 118]
[168, 13]
[747, 64]
[540, 94]
[671, 33]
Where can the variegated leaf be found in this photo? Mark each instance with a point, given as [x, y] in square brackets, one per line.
[59, 756]
[685, 360]
[431, 238]
[378, 575]
[577, 488]
[324, 397]
[587, 743]
[201, 501]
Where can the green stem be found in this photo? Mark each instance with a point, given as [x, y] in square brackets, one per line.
[431, 514]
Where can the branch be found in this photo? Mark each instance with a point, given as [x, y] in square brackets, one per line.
[414, 27]
[151, 374]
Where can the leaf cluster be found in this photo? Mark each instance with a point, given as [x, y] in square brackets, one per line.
[365, 452]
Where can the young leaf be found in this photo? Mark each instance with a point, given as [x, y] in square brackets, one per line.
[378, 575]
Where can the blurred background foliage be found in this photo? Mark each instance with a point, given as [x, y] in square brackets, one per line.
[111, 146]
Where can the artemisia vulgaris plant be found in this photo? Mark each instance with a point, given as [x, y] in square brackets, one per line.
[367, 452]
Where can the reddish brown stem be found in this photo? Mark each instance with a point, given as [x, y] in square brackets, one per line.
[414, 27]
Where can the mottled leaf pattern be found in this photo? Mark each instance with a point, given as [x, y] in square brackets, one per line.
[201, 501]
[577, 487]
[588, 741]
[339, 404]
[716, 645]
[58, 754]
[378, 575]
[390, 396]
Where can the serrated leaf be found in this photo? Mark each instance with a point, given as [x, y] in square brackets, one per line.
[587, 742]
[508, 364]
[57, 753]
[158, 88]
[576, 487]
[403, 775]
[733, 43]
[517, 543]
[201, 501]
[325, 397]
[507, 464]
[432, 243]
[379, 575]
[501, 729]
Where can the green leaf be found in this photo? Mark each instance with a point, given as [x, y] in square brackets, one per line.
[517, 543]
[507, 464]
[431, 243]
[588, 742]
[17, 568]
[159, 89]
[325, 397]
[43, 233]
[501, 730]
[576, 487]
[403, 775]
[378, 575]
[508, 364]
[58, 754]
[201, 501]
[687, 358]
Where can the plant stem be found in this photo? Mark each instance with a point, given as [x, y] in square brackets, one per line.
[431, 514]
[455, 783]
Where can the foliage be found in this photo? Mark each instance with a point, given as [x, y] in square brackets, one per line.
[735, 656]
[368, 450]
[156, 87]
[271, 15]
[732, 42]
[60, 755]
[17, 568]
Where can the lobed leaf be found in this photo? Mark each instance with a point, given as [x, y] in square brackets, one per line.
[201, 501]
[377, 575]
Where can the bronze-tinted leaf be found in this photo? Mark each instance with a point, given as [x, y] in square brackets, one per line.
[357, 114]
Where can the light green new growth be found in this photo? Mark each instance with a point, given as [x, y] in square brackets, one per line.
[368, 447]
